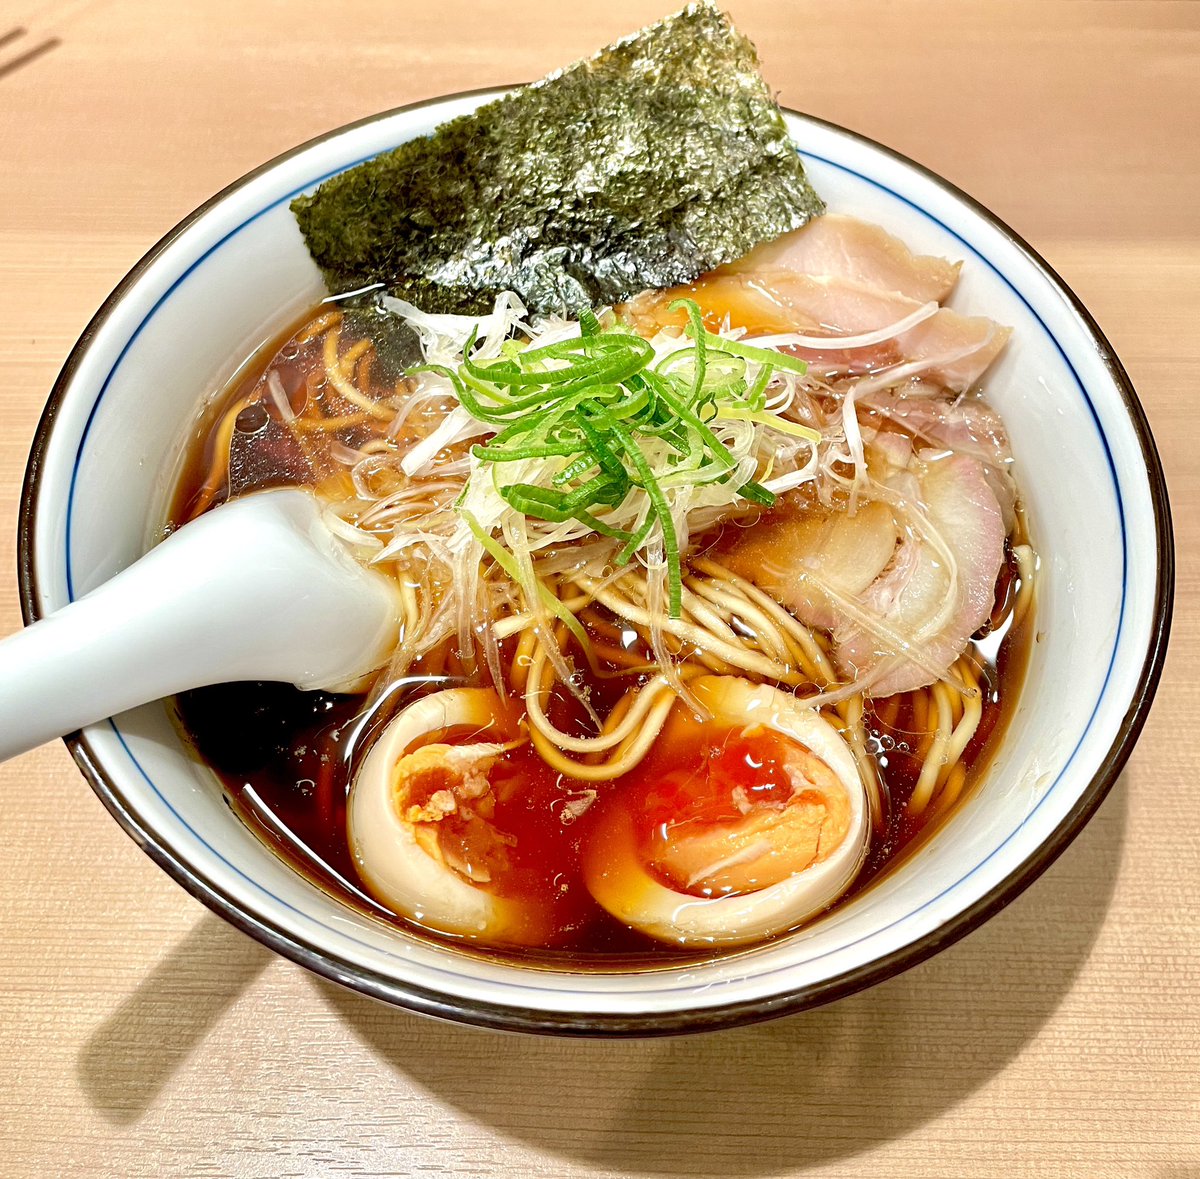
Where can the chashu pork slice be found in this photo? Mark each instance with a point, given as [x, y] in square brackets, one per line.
[953, 349]
[967, 425]
[839, 246]
[799, 555]
[915, 597]
[835, 569]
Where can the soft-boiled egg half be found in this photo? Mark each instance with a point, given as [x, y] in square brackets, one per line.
[420, 817]
[735, 828]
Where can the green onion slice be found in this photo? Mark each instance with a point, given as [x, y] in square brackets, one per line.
[596, 418]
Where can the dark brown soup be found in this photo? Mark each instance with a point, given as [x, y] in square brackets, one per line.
[287, 758]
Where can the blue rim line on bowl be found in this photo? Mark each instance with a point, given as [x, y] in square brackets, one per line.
[741, 1011]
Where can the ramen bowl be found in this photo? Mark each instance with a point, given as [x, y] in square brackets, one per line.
[234, 272]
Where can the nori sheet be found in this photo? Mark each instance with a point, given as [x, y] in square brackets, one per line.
[657, 159]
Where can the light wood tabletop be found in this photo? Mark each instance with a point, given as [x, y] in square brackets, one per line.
[142, 1036]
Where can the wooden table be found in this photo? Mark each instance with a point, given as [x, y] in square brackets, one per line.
[141, 1036]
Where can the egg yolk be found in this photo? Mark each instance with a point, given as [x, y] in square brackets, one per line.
[446, 793]
[747, 809]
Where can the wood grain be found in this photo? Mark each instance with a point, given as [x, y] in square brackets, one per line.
[143, 1037]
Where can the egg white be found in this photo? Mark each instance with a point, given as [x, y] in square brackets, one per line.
[391, 861]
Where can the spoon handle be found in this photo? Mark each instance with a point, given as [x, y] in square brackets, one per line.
[258, 589]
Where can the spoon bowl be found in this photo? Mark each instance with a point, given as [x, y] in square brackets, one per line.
[222, 598]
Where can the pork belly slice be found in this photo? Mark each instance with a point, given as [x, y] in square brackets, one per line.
[838, 246]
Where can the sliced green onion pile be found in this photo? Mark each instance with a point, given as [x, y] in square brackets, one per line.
[607, 417]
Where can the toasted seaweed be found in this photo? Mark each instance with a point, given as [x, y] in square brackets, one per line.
[662, 156]
[397, 345]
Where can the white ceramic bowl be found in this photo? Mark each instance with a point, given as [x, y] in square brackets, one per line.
[234, 271]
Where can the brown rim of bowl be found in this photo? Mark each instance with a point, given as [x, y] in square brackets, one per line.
[514, 1018]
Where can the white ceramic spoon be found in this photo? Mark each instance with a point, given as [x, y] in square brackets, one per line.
[258, 589]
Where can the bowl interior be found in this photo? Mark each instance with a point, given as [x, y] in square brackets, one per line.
[231, 276]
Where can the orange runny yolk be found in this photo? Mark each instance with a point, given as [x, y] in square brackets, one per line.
[758, 808]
